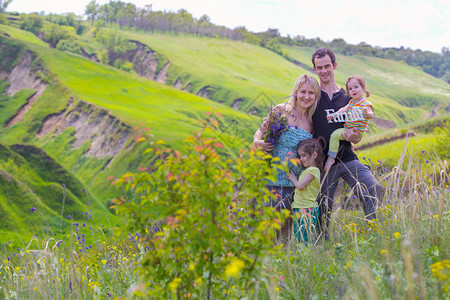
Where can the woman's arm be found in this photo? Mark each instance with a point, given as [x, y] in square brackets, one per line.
[300, 184]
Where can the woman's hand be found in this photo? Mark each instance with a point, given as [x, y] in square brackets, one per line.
[266, 147]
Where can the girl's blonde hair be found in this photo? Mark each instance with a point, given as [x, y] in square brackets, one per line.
[292, 102]
[361, 81]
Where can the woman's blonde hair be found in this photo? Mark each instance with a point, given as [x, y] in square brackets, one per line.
[292, 102]
[361, 82]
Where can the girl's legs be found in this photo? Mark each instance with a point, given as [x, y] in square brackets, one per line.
[305, 220]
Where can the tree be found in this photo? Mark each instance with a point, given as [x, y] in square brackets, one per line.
[3, 5]
[91, 11]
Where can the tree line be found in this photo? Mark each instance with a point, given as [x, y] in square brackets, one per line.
[128, 15]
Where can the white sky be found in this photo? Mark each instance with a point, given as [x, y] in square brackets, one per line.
[417, 24]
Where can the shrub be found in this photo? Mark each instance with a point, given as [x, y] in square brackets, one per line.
[55, 33]
[3, 19]
[204, 219]
[69, 46]
[31, 22]
[123, 65]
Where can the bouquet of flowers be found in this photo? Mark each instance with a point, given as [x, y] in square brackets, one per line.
[274, 124]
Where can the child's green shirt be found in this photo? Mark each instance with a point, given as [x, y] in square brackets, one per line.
[306, 198]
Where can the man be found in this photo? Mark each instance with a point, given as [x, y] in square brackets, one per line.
[347, 165]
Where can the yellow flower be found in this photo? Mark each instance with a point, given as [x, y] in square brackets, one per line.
[104, 262]
[234, 268]
[397, 235]
[383, 251]
[173, 285]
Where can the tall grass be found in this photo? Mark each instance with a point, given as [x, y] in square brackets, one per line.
[402, 255]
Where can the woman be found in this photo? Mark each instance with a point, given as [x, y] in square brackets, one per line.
[298, 110]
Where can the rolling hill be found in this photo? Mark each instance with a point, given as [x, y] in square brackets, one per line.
[85, 117]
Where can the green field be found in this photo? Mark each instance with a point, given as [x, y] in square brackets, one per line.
[230, 70]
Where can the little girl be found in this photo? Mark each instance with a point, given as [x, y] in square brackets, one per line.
[307, 186]
[356, 114]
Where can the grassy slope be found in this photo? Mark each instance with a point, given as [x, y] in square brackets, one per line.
[131, 98]
[239, 70]
[235, 69]
[30, 178]
[171, 114]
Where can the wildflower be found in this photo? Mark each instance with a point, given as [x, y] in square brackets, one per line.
[383, 251]
[234, 268]
[397, 235]
[173, 285]
[104, 261]
[32, 209]
[276, 125]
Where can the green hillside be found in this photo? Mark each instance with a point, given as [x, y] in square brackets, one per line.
[236, 70]
[86, 117]
[86, 105]
[29, 179]
[232, 70]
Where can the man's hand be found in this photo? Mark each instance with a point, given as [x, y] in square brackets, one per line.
[351, 135]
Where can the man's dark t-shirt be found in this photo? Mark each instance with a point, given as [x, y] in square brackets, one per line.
[325, 129]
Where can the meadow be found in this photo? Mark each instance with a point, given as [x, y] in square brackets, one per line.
[71, 234]
[403, 254]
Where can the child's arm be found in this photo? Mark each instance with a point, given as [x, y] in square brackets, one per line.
[300, 184]
[341, 110]
[367, 112]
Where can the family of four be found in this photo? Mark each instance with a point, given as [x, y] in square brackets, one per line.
[323, 121]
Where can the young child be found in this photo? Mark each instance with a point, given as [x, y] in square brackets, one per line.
[356, 114]
[307, 186]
